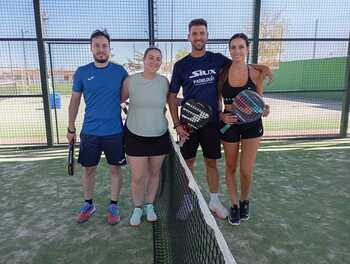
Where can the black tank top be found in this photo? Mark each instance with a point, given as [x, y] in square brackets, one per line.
[229, 92]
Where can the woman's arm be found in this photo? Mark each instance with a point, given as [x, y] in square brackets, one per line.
[125, 90]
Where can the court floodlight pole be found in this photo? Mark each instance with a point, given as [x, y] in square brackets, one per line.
[344, 121]
[256, 31]
[43, 72]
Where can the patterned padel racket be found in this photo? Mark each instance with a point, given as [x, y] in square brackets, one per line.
[195, 114]
[248, 107]
[71, 159]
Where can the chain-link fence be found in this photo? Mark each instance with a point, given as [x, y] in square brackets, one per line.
[306, 43]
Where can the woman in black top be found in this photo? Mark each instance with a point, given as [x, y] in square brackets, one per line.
[234, 78]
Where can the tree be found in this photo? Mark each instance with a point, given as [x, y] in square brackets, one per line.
[135, 64]
[270, 51]
[180, 54]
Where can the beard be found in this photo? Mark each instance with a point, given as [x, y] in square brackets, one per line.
[198, 47]
[103, 60]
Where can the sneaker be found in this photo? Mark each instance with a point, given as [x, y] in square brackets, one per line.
[86, 211]
[244, 209]
[234, 217]
[218, 209]
[113, 216]
[148, 210]
[136, 216]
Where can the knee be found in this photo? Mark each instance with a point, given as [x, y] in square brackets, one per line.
[245, 173]
[137, 179]
[231, 168]
[89, 171]
[153, 173]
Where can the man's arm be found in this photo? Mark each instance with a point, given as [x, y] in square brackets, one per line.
[72, 115]
[173, 107]
[265, 70]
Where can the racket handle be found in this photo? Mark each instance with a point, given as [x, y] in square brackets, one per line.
[225, 128]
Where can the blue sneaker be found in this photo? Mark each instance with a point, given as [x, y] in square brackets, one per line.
[86, 211]
[113, 216]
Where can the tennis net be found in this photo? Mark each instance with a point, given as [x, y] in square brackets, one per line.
[185, 232]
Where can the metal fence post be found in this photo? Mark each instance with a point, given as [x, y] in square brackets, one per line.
[256, 31]
[43, 72]
[150, 23]
[346, 102]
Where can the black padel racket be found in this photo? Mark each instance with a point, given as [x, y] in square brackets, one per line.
[195, 114]
[71, 159]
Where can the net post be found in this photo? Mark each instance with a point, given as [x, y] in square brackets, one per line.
[344, 121]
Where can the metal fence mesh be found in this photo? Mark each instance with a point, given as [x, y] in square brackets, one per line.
[305, 43]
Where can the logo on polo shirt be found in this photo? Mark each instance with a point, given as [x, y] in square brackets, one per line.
[90, 78]
[202, 73]
[205, 76]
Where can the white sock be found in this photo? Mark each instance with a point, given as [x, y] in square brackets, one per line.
[214, 197]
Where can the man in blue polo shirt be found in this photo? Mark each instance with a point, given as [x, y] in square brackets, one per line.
[100, 84]
[197, 74]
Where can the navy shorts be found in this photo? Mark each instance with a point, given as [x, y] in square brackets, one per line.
[242, 131]
[91, 148]
[209, 139]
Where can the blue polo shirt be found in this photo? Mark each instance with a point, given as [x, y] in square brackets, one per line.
[101, 88]
[198, 78]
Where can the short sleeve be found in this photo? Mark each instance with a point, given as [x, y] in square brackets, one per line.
[77, 82]
[175, 83]
[224, 60]
[124, 73]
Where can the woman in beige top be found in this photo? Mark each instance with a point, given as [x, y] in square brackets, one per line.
[147, 139]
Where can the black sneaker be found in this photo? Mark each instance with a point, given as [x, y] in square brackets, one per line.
[244, 209]
[234, 217]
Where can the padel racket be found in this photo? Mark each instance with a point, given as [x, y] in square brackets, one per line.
[248, 107]
[71, 159]
[195, 114]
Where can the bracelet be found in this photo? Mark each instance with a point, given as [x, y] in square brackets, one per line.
[71, 131]
[177, 124]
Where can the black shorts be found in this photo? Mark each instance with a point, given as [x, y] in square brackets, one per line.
[209, 139]
[243, 131]
[91, 148]
[146, 146]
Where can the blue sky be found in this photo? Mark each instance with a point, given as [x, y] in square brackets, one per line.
[128, 19]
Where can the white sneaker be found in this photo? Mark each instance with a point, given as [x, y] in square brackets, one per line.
[136, 216]
[218, 209]
[150, 213]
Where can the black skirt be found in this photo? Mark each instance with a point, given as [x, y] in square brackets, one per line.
[146, 146]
